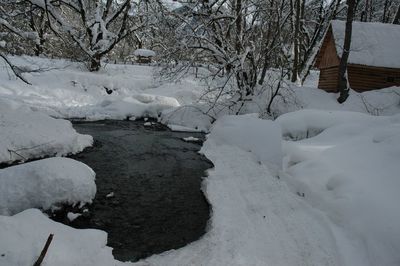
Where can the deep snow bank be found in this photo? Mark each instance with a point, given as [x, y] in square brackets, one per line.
[141, 105]
[23, 236]
[350, 171]
[44, 183]
[65, 89]
[256, 219]
[260, 137]
[307, 123]
[26, 133]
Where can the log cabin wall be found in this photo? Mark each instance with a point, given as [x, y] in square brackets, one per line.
[328, 63]
[328, 57]
[329, 79]
[364, 78]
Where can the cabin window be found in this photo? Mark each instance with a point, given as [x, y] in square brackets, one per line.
[390, 79]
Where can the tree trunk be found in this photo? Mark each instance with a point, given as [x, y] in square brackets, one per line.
[343, 82]
[385, 8]
[239, 28]
[396, 19]
[95, 63]
[296, 45]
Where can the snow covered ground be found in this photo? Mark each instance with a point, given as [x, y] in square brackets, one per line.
[23, 237]
[317, 186]
[351, 173]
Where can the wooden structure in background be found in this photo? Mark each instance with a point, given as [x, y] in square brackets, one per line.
[373, 63]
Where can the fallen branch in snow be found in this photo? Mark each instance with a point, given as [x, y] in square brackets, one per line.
[44, 251]
[27, 148]
[12, 151]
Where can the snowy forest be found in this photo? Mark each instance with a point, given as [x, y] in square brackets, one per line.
[212, 132]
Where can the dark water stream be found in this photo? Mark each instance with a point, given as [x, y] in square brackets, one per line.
[155, 177]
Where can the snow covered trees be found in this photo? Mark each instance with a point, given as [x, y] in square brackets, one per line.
[234, 39]
[95, 26]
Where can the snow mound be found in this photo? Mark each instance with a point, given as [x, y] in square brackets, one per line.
[187, 118]
[351, 172]
[26, 134]
[251, 134]
[140, 105]
[24, 235]
[308, 123]
[45, 183]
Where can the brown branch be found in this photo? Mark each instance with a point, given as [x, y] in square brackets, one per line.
[39, 261]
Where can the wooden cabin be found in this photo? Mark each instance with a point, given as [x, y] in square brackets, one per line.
[374, 60]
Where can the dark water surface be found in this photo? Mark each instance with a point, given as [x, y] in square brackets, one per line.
[156, 180]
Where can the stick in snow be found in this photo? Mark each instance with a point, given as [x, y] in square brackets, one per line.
[44, 251]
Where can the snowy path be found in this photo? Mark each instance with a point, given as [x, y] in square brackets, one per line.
[256, 219]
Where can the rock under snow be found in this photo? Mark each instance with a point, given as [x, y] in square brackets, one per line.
[44, 184]
[26, 134]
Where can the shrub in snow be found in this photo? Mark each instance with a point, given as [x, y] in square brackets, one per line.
[45, 183]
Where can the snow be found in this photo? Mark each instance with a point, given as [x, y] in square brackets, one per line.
[45, 184]
[65, 89]
[372, 43]
[72, 216]
[135, 106]
[110, 195]
[350, 172]
[191, 118]
[248, 132]
[26, 233]
[144, 53]
[26, 133]
[317, 186]
[256, 219]
[308, 122]
[191, 139]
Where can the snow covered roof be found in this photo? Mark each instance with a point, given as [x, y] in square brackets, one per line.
[372, 44]
[144, 53]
